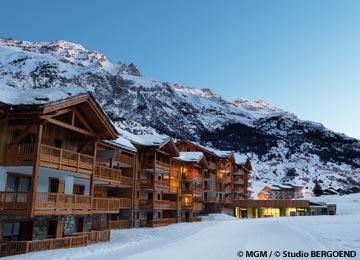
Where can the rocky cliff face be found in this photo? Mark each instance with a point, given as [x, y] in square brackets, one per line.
[283, 147]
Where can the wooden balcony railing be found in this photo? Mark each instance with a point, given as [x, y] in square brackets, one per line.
[110, 205]
[192, 176]
[111, 175]
[59, 203]
[14, 200]
[52, 157]
[195, 191]
[238, 180]
[237, 189]
[22, 247]
[125, 159]
[157, 204]
[62, 159]
[155, 185]
[96, 236]
[157, 222]
[157, 165]
[191, 206]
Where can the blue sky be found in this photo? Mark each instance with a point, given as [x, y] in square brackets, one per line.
[302, 56]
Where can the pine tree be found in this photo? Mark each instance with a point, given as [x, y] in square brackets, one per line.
[317, 191]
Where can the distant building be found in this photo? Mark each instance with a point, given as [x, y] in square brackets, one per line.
[281, 192]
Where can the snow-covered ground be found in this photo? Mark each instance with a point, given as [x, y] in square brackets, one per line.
[221, 237]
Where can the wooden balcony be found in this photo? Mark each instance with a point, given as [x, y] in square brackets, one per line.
[189, 176]
[108, 174]
[60, 203]
[156, 165]
[51, 157]
[96, 236]
[155, 185]
[157, 222]
[226, 189]
[46, 203]
[191, 206]
[210, 200]
[10, 201]
[238, 180]
[157, 204]
[238, 189]
[193, 191]
[125, 159]
[110, 205]
[22, 247]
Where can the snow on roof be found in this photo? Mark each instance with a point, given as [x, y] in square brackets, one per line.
[14, 96]
[283, 186]
[122, 143]
[190, 156]
[150, 140]
[274, 188]
[240, 158]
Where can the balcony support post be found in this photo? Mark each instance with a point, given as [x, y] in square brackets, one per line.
[35, 169]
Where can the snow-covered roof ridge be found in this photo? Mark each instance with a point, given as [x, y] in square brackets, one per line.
[190, 156]
[150, 140]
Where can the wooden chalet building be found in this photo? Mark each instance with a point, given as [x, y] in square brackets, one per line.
[157, 182]
[192, 166]
[225, 180]
[56, 175]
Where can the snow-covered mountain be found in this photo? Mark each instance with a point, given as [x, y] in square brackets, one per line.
[283, 147]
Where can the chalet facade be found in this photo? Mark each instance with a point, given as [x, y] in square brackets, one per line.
[49, 173]
[157, 182]
[225, 180]
[192, 167]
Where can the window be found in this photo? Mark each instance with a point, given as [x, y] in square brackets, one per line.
[17, 231]
[79, 189]
[18, 183]
[137, 215]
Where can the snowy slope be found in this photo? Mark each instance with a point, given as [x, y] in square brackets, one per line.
[276, 140]
[221, 237]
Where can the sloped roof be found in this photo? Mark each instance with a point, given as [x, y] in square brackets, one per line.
[122, 143]
[190, 156]
[240, 158]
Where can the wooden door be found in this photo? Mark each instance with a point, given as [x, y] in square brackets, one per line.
[60, 228]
